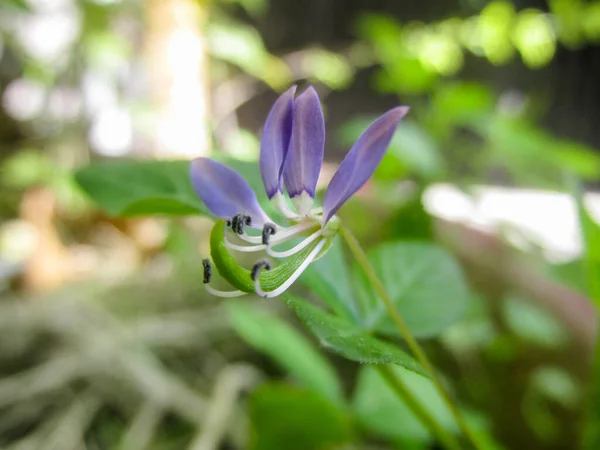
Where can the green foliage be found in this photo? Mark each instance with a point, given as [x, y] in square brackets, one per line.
[533, 324]
[348, 339]
[283, 417]
[243, 47]
[329, 279]
[424, 282]
[379, 411]
[290, 349]
[136, 188]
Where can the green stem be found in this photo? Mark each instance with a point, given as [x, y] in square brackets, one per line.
[412, 343]
[396, 383]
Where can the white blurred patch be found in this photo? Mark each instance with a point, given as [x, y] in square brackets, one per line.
[98, 93]
[48, 33]
[527, 218]
[24, 99]
[179, 130]
[111, 132]
[64, 103]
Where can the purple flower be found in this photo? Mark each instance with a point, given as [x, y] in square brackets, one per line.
[291, 155]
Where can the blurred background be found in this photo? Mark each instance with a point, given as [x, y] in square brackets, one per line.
[107, 339]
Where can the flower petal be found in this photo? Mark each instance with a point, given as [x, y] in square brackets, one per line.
[361, 161]
[224, 192]
[305, 154]
[275, 141]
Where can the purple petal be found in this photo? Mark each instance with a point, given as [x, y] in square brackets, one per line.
[361, 161]
[305, 154]
[275, 141]
[224, 192]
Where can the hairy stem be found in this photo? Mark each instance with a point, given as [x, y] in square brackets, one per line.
[415, 348]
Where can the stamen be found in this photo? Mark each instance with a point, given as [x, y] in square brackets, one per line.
[283, 208]
[311, 256]
[268, 230]
[207, 277]
[224, 294]
[281, 235]
[239, 221]
[296, 249]
[245, 248]
[258, 268]
[207, 271]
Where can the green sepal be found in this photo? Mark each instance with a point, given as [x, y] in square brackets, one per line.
[239, 276]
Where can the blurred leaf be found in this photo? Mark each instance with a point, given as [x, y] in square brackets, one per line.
[330, 280]
[460, 102]
[380, 411]
[411, 222]
[242, 46]
[134, 188]
[591, 237]
[572, 274]
[287, 347]
[533, 324]
[533, 154]
[557, 384]
[283, 417]
[348, 339]
[255, 8]
[328, 68]
[18, 5]
[29, 167]
[424, 282]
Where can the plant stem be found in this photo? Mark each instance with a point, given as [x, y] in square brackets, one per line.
[413, 345]
[396, 383]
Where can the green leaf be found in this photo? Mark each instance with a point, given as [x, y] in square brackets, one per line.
[380, 411]
[134, 188]
[591, 238]
[287, 347]
[330, 280]
[283, 417]
[348, 339]
[424, 282]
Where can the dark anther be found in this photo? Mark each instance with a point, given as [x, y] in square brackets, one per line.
[258, 267]
[207, 271]
[268, 230]
[239, 221]
[228, 223]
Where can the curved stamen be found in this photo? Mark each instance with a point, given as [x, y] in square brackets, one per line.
[312, 255]
[268, 230]
[207, 271]
[282, 234]
[258, 268]
[207, 275]
[238, 222]
[296, 249]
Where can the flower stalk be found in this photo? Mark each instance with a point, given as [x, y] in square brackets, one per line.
[410, 400]
[362, 260]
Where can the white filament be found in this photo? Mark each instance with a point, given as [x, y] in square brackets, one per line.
[312, 255]
[279, 202]
[245, 248]
[293, 250]
[226, 294]
[281, 235]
